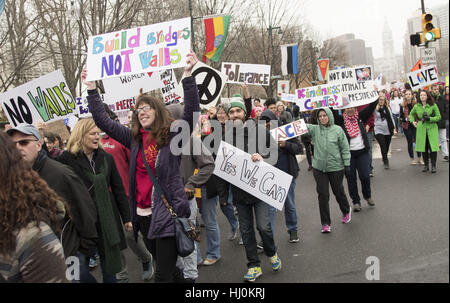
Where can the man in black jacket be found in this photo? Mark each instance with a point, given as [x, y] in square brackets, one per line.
[79, 232]
[443, 110]
[287, 162]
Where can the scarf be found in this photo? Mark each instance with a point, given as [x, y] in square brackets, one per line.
[351, 124]
[385, 114]
[405, 125]
[108, 224]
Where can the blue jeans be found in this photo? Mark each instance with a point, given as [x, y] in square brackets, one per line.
[246, 225]
[228, 211]
[396, 123]
[188, 265]
[290, 212]
[369, 136]
[209, 216]
[359, 162]
[85, 275]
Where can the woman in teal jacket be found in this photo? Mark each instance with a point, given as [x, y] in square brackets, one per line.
[331, 158]
[427, 132]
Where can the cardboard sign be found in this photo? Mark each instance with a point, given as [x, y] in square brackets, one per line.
[315, 97]
[260, 179]
[356, 85]
[128, 86]
[282, 87]
[423, 77]
[142, 49]
[59, 128]
[252, 74]
[289, 131]
[210, 83]
[46, 99]
[289, 98]
[169, 87]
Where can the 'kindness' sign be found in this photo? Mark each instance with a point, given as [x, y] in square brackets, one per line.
[142, 49]
[260, 179]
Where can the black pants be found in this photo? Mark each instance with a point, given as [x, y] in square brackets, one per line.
[163, 250]
[385, 142]
[428, 152]
[323, 180]
[309, 152]
[410, 135]
[359, 162]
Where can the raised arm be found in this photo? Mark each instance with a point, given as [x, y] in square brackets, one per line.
[191, 98]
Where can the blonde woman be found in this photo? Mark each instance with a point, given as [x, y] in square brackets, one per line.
[97, 170]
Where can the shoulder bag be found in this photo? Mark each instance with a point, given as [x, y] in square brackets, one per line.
[185, 231]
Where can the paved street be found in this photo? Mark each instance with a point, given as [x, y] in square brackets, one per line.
[407, 230]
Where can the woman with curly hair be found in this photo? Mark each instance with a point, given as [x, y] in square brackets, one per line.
[29, 221]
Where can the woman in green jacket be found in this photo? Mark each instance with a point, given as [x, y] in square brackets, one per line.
[427, 133]
[331, 157]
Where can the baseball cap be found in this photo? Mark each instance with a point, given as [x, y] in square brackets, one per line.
[26, 129]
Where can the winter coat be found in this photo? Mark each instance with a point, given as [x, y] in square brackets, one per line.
[442, 104]
[80, 233]
[167, 165]
[121, 156]
[428, 126]
[331, 147]
[80, 164]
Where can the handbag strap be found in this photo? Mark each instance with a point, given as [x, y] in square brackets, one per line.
[156, 184]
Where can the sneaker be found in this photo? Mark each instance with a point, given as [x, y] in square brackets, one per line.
[209, 261]
[310, 168]
[446, 158]
[233, 234]
[371, 174]
[413, 162]
[276, 262]
[348, 217]
[147, 270]
[293, 237]
[93, 262]
[433, 169]
[357, 207]
[241, 242]
[421, 161]
[370, 202]
[386, 165]
[253, 273]
[326, 229]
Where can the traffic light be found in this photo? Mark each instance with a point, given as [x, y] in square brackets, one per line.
[415, 39]
[430, 33]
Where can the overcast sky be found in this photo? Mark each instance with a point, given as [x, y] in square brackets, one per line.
[364, 18]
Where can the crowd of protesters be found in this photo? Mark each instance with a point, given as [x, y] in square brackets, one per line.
[92, 196]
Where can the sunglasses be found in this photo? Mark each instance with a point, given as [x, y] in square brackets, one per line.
[25, 142]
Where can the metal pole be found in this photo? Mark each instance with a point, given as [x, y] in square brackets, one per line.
[423, 12]
[192, 26]
[271, 43]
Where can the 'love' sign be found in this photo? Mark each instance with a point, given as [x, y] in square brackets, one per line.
[423, 77]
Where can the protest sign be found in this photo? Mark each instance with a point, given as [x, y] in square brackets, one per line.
[169, 87]
[289, 131]
[260, 179]
[315, 97]
[282, 87]
[210, 83]
[423, 77]
[254, 74]
[117, 106]
[356, 84]
[142, 49]
[45, 99]
[289, 98]
[124, 87]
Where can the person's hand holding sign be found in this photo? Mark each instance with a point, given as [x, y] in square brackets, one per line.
[90, 84]
[191, 61]
[256, 157]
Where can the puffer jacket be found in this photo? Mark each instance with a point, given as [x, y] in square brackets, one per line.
[331, 148]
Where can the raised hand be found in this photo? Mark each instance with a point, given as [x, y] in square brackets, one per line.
[191, 61]
[90, 84]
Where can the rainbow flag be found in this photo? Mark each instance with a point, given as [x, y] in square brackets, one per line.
[216, 29]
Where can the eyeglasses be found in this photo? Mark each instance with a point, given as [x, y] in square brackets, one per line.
[145, 109]
[25, 142]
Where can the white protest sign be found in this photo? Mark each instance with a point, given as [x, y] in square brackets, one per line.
[428, 55]
[423, 77]
[289, 98]
[356, 84]
[254, 74]
[282, 87]
[210, 83]
[289, 131]
[169, 87]
[117, 106]
[260, 179]
[142, 49]
[46, 99]
[315, 97]
[128, 86]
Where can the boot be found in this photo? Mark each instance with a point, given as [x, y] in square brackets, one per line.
[433, 168]
[386, 164]
[426, 168]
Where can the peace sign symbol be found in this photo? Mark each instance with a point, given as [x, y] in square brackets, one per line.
[206, 96]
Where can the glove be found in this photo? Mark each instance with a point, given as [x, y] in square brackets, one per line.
[425, 117]
[347, 170]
